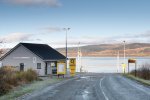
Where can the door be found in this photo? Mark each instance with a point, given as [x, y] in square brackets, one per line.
[21, 66]
[49, 68]
[54, 67]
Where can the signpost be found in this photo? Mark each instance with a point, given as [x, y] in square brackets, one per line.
[124, 67]
[131, 60]
[61, 68]
[72, 64]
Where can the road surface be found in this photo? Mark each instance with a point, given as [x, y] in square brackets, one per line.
[94, 87]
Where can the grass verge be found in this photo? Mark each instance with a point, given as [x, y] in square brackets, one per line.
[28, 88]
[145, 82]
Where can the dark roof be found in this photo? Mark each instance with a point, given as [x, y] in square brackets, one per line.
[44, 51]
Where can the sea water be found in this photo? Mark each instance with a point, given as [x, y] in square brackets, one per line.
[108, 64]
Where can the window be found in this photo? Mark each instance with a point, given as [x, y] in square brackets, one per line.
[38, 65]
[52, 64]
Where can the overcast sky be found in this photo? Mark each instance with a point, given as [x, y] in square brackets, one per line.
[91, 21]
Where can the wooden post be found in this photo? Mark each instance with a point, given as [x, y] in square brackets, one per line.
[128, 67]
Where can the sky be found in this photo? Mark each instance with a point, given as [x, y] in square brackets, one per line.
[90, 22]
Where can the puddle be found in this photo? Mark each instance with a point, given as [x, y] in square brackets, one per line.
[85, 95]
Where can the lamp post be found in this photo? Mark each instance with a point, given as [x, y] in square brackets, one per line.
[66, 29]
[118, 62]
[124, 55]
[124, 51]
[78, 52]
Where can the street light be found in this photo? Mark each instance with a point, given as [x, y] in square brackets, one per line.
[124, 56]
[124, 51]
[79, 58]
[66, 29]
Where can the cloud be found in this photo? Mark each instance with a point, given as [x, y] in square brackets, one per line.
[142, 37]
[129, 38]
[84, 40]
[88, 39]
[15, 37]
[145, 34]
[52, 29]
[51, 3]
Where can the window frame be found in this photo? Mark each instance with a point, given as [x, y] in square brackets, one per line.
[38, 65]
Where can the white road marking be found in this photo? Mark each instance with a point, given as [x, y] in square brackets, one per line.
[106, 98]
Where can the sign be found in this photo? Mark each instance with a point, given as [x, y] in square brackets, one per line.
[131, 60]
[72, 64]
[123, 65]
[61, 68]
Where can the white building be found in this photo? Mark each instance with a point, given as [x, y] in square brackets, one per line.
[39, 57]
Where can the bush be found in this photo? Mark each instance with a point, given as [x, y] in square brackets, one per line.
[10, 78]
[28, 76]
[4, 87]
[143, 72]
[7, 80]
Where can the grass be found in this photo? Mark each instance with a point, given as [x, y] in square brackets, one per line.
[11, 78]
[28, 88]
[142, 74]
[143, 81]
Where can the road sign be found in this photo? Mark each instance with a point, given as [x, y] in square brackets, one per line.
[61, 68]
[72, 64]
[131, 60]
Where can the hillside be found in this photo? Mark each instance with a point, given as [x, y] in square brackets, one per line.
[134, 49]
[102, 50]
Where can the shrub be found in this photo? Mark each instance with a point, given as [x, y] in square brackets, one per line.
[10, 78]
[6, 79]
[4, 87]
[29, 75]
[143, 72]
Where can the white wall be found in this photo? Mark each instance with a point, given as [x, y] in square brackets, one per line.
[23, 55]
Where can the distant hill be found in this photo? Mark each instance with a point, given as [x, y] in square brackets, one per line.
[104, 50]
[133, 49]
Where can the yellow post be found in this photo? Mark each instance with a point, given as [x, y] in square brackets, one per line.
[72, 64]
[124, 67]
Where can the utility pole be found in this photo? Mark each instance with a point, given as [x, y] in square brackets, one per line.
[124, 51]
[118, 62]
[66, 29]
[124, 56]
[78, 52]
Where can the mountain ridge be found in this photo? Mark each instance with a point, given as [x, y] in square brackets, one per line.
[132, 49]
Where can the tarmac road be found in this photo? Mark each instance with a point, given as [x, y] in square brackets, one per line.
[94, 87]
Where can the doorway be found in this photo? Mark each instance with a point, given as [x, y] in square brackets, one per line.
[51, 67]
[21, 66]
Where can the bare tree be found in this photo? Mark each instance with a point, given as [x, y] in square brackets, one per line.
[1, 50]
